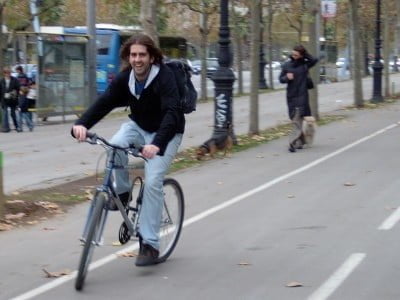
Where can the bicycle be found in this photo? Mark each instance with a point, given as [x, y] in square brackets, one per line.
[172, 215]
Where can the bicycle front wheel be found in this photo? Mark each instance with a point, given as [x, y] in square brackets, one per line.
[88, 247]
[172, 218]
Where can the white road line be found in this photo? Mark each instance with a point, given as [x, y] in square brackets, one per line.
[391, 220]
[59, 281]
[338, 277]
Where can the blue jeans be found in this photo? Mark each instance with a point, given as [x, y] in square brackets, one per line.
[24, 116]
[6, 125]
[154, 171]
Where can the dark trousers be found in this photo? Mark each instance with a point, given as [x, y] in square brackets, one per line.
[6, 125]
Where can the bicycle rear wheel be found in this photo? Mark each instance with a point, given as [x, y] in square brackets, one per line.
[88, 247]
[172, 218]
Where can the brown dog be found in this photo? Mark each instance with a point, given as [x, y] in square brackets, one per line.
[212, 145]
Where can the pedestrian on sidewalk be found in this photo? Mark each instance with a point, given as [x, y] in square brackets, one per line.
[148, 87]
[21, 76]
[23, 104]
[9, 90]
[295, 74]
[32, 100]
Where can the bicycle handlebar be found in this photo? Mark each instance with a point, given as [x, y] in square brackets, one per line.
[135, 150]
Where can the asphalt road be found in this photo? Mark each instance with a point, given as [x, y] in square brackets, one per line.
[324, 217]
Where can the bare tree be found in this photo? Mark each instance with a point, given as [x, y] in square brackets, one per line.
[255, 65]
[148, 18]
[356, 66]
[205, 8]
[240, 26]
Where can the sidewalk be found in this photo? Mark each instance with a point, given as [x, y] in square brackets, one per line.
[49, 155]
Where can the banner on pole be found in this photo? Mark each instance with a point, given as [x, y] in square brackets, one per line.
[328, 8]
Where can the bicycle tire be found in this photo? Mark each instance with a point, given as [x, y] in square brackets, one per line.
[88, 247]
[172, 218]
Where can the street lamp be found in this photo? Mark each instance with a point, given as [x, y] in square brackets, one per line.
[377, 66]
[223, 80]
[262, 83]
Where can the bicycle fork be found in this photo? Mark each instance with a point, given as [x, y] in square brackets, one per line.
[98, 238]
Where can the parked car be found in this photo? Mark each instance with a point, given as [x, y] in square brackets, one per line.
[212, 66]
[196, 66]
[276, 65]
[341, 61]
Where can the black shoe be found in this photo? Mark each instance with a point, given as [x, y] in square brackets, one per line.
[124, 197]
[292, 148]
[6, 130]
[147, 255]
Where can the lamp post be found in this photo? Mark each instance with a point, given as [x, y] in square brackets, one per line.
[377, 66]
[262, 83]
[223, 80]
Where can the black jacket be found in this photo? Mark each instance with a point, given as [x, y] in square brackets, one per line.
[12, 87]
[297, 93]
[156, 110]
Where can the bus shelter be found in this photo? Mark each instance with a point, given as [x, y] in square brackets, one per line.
[62, 78]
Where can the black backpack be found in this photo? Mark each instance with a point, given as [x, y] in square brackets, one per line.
[187, 92]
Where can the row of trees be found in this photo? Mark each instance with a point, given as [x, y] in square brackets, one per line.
[283, 24]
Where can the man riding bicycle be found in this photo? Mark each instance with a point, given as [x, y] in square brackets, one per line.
[148, 87]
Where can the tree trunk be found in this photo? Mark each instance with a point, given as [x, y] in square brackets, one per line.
[313, 10]
[386, 49]
[148, 18]
[270, 41]
[255, 65]
[356, 66]
[237, 42]
[203, 54]
[397, 38]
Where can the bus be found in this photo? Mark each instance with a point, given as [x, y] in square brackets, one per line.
[109, 39]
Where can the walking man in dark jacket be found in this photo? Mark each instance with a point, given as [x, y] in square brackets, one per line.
[148, 87]
[9, 91]
[295, 74]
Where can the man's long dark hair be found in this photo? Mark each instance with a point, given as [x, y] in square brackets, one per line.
[144, 40]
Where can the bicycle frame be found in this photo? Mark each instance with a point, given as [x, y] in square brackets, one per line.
[107, 188]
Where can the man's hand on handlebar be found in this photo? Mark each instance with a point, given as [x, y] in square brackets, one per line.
[149, 151]
[80, 132]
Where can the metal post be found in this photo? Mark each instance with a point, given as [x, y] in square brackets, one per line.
[223, 79]
[377, 67]
[91, 50]
[262, 83]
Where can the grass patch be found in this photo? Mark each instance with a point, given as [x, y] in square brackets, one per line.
[187, 158]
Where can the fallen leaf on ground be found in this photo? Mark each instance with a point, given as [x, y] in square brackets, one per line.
[56, 274]
[116, 244]
[290, 196]
[349, 184]
[32, 222]
[15, 202]
[47, 205]
[89, 194]
[14, 216]
[5, 227]
[260, 156]
[49, 228]
[244, 264]
[294, 284]
[127, 254]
